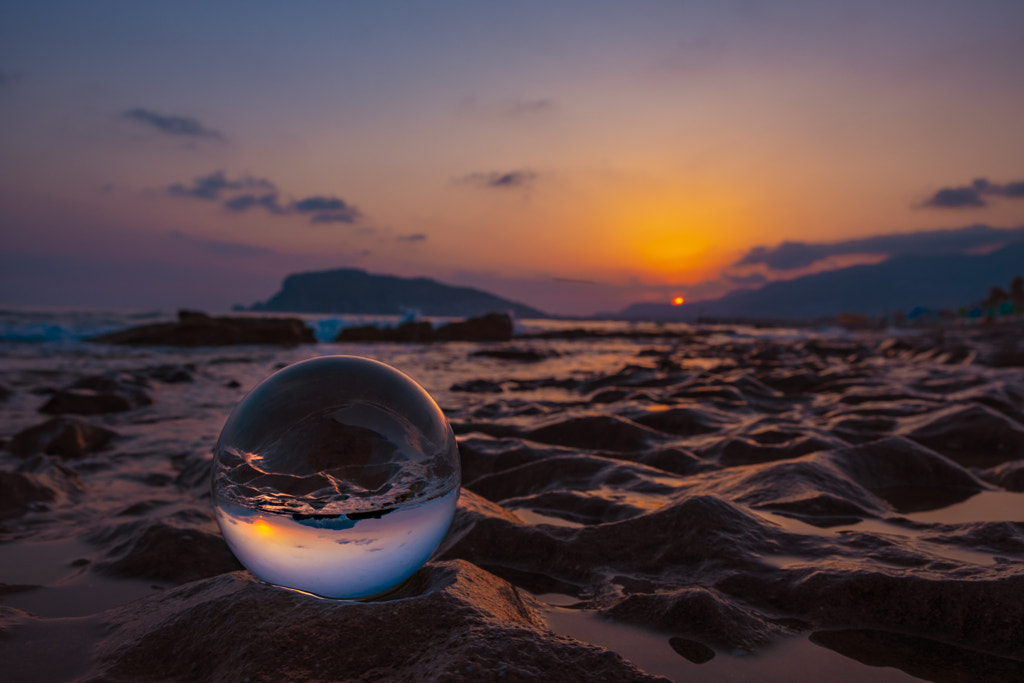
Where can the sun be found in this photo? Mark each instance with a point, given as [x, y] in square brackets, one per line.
[677, 301]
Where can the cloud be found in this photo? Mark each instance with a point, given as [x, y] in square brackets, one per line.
[181, 126]
[793, 255]
[415, 237]
[326, 210]
[527, 107]
[973, 195]
[498, 180]
[244, 202]
[212, 186]
[246, 193]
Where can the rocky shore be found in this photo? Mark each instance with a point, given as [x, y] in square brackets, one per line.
[727, 495]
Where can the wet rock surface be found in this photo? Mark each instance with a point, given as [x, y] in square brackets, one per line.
[452, 621]
[723, 491]
[68, 437]
[195, 328]
[492, 327]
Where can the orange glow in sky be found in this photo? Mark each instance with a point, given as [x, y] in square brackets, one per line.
[262, 527]
[677, 301]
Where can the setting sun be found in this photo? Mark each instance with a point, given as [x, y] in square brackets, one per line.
[677, 301]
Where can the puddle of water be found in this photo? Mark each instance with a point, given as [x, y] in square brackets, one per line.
[57, 651]
[40, 563]
[910, 539]
[987, 506]
[64, 590]
[81, 596]
[792, 659]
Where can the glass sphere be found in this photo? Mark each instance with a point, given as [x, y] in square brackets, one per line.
[337, 476]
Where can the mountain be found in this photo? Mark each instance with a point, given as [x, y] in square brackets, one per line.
[350, 290]
[898, 284]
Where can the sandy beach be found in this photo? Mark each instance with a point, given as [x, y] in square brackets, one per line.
[714, 504]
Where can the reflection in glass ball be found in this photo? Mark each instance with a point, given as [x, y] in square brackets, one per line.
[337, 476]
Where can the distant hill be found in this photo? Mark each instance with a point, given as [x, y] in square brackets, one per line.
[899, 284]
[350, 290]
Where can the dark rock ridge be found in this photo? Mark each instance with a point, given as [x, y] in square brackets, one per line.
[199, 329]
[350, 290]
[69, 437]
[99, 394]
[492, 327]
[452, 622]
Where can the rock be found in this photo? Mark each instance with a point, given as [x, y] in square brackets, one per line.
[971, 435]
[579, 472]
[39, 480]
[670, 543]
[172, 373]
[681, 421]
[518, 355]
[675, 460]
[807, 489]
[701, 614]
[99, 394]
[748, 451]
[480, 455]
[698, 653]
[922, 658]
[905, 474]
[596, 432]
[1009, 475]
[977, 609]
[486, 328]
[171, 549]
[452, 621]
[492, 327]
[69, 437]
[199, 329]
[478, 386]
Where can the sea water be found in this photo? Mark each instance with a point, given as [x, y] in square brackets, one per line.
[337, 556]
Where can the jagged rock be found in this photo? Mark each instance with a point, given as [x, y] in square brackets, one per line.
[199, 329]
[971, 435]
[99, 394]
[38, 480]
[596, 432]
[183, 547]
[486, 328]
[70, 437]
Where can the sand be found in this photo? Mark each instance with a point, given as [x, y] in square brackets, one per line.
[719, 504]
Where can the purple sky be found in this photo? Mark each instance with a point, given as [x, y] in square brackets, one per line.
[576, 156]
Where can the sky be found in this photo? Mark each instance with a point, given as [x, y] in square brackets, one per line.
[576, 156]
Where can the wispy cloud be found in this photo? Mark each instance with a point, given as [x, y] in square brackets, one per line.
[529, 107]
[179, 126]
[793, 255]
[216, 184]
[247, 193]
[973, 195]
[415, 237]
[326, 210]
[500, 180]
